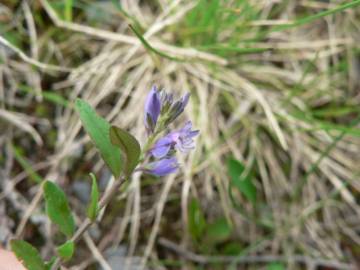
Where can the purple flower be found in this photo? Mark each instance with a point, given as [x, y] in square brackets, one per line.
[181, 140]
[162, 167]
[152, 109]
[160, 103]
[160, 111]
[166, 101]
[178, 107]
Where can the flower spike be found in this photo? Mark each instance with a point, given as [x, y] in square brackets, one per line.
[160, 111]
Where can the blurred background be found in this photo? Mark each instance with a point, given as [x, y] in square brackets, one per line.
[274, 180]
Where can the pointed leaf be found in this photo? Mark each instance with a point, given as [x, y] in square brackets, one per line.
[28, 255]
[93, 206]
[98, 130]
[196, 220]
[50, 263]
[66, 250]
[58, 209]
[242, 183]
[218, 231]
[129, 145]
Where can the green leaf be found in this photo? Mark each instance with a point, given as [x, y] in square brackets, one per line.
[218, 231]
[196, 220]
[66, 250]
[58, 209]
[232, 249]
[242, 183]
[275, 266]
[50, 263]
[129, 145]
[28, 255]
[93, 206]
[98, 130]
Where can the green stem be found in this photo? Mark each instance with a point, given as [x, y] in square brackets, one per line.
[104, 201]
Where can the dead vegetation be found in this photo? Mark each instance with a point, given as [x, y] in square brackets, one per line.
[273, 83]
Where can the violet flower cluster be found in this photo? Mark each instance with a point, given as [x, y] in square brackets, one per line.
[160, 111]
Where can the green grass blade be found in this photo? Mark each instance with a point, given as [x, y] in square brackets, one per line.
[317, 16]
[68, 10]
[48, 96]
[298, 189]
[26, 165]
[305, 20]
[151, 48]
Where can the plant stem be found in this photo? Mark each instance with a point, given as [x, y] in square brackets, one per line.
[106, 198]
[152, 138]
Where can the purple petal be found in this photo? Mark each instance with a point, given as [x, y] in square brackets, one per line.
[187, 127]
[193, 133]
[152, 108]
[185, 141]
[161, 151]
[185, 100]
[185, 145]
[181, 140]
[163, 167]
[162, 147]
[178, 107]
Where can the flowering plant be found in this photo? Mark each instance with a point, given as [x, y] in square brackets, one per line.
[123, 155]
[160, 111]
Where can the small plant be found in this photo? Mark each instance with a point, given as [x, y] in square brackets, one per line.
[123, 155]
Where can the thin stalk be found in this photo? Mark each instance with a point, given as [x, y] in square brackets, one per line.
[104, 201]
